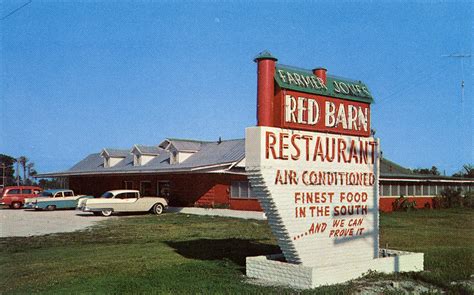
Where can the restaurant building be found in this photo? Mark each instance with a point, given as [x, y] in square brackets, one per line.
[212, 174]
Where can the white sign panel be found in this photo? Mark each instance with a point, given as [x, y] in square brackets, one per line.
[319, 192]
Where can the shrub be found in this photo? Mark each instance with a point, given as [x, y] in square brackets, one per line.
[468, 200]
[452, 198]
[403, 204]
[439, 202]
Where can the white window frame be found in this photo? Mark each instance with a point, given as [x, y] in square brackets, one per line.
[250, 193]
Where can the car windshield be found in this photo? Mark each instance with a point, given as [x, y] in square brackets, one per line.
[46, 194]
[107, 195]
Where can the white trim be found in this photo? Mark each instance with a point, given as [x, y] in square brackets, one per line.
[85, 173]
[240, 163]
[427, 180]
[407, 196]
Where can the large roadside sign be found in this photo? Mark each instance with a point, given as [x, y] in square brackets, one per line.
[314, 166]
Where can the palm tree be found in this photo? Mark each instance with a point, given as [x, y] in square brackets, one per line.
[30, 166]
[23, 160]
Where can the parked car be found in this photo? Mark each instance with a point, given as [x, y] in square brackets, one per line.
[55, 199]
[123, 201]
[14, 196]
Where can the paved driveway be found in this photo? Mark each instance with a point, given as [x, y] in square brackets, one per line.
[23, 223]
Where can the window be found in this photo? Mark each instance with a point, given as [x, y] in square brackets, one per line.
[163, 189]
[241, 189]
[440, 188]
[68, 194]
[47, 194]
[426, 189]
[411, 190]
[127, 196]
[26, 191]
[403, 189]
[433, 190]
[395, 190]
[58, 195]
[107, 195]
[386, 190]
[36, 191]
[418, 190]
[145, 188]
[13, 192]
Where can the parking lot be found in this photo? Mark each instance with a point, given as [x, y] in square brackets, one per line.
[24, 223]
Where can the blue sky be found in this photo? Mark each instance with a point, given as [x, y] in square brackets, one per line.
[78, 77]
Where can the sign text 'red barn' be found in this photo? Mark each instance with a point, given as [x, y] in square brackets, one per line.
[318, 113]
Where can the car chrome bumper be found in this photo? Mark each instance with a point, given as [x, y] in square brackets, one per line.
[88, 209]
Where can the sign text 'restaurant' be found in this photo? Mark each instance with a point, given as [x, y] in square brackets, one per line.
[316, 148]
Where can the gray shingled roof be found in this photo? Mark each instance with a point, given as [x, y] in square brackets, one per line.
[222, 154]
[213, 153]
[183, 145]
[117, 152]
[148, 150]
[389, 167]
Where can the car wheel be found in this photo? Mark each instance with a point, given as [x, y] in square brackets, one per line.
[158, 209]
[50, 207]
[16, 205]
[106, 213]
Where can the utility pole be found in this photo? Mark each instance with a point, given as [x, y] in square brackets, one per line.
[17, 172]
[3, 175]
[461, 56]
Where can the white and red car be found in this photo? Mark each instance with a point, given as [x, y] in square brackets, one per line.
[123, 201]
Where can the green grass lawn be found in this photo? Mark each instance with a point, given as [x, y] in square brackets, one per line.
[177, 253]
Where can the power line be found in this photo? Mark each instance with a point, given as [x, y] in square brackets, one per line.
[461, 56]
[15, 10]
[420, 79]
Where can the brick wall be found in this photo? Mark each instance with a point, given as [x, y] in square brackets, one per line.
[192, 189]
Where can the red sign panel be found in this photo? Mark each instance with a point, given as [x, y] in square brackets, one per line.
[304, 111]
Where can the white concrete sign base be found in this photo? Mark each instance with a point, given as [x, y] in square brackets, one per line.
[271, 269]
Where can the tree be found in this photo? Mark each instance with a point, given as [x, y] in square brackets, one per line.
[433, 171]
[49, 183]
[7, 169]
[467, 171]
[29, 167]
[23, 160]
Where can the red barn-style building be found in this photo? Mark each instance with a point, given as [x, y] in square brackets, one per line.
[212, 174]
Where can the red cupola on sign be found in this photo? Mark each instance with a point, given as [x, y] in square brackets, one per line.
[310, 100]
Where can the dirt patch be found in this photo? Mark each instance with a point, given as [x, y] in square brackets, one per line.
[394, 287]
